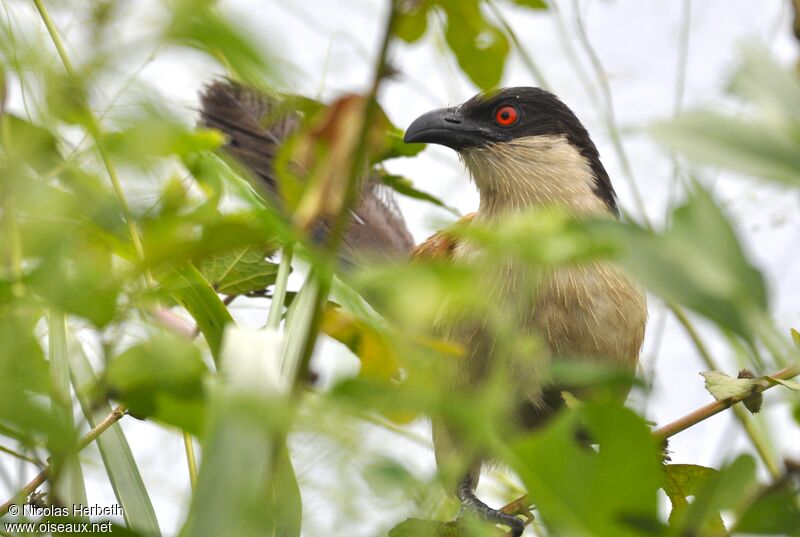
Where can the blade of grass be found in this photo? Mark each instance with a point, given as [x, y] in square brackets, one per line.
[69, 485]
[123, 472]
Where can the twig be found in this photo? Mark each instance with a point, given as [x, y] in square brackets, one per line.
[611, 120]
[85, 440]
[22, 456]
[681, 424]
[711, 409]
[324, 273]
[740, 413]
[94, 130]
[523, 53]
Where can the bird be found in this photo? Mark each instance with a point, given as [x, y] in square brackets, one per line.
[525, 149]
[256, 125]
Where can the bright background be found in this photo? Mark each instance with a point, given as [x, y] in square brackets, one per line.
[325, 48]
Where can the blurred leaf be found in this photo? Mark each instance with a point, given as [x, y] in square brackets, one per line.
[775, 89]
[580, 491]
[193, 292]
[239, 272]
[412, 19]
[773, 512]
[791, 384]
[163, 379]
[375, 351]
[534, 4]
[697, 263]
[199, 25]
[246, 484]
[395, 146]
[795, 337]
[154, 133]
[123, 472]
[287, 505]
[68, 485]
[415, 527]
[560, 239]
[77, 278]
[30, 143]
[719, 491]
[405, 186]
[480, 48]
[684, 481]
[743, 145]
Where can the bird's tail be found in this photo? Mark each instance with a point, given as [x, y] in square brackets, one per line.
[256, 125]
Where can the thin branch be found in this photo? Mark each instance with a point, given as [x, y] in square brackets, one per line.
[711, 409]
[323, 273]
[740, 413]
[611, 120]
[537, 73]
[85, 440]
[689, 420]
[94, 130]
[22, 456]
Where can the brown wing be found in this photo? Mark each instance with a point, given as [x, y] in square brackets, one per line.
[256, 125]
[439, 245]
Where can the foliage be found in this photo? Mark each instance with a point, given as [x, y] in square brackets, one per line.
[116, 226]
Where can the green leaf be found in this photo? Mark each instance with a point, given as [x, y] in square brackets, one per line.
[197, 24]
[775, 89]
[396, 147]
[123, 473]
[412, 20]
[698, 263]
[774, 512]
[533, 4]
[286, 502]
[69, 487]
[720, 491]
[684, 481]
[724, 387]
[791, 384]
[795, 337]
[404, 186]
[163, 379]
[30, 143]
[742, 145]
[187, 285]
[480, 48]
[246, 484]
[580, 491]
[239, 272]
[415, 527]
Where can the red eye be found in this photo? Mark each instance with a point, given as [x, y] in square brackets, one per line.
[506, 116]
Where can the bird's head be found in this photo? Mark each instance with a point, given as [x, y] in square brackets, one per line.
[523, 147]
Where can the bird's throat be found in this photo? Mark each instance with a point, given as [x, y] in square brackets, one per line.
[536, 171]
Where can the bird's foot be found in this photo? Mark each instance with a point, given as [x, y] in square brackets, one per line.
[471, 505]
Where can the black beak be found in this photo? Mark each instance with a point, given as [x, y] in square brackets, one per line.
[445, 127]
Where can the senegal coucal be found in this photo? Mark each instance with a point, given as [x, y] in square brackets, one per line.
[524, 149]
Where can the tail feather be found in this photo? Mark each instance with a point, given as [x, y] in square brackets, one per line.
[256, 125]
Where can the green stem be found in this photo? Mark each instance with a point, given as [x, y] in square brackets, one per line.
[188, 446]
[95, 131]
[279, 291]
[323, 272]
[526, 58]
[611, 120]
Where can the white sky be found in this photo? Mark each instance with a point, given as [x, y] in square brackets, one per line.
[331, 43]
